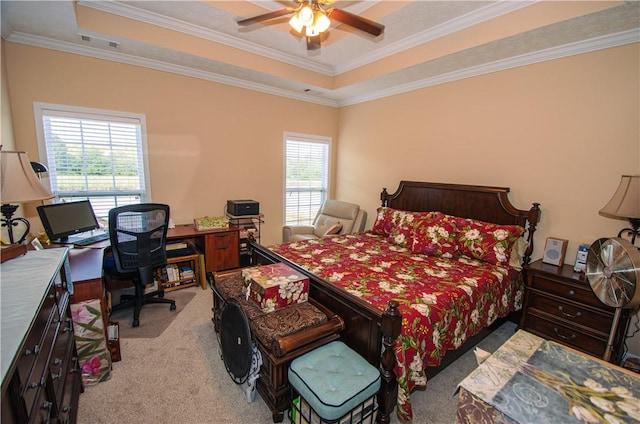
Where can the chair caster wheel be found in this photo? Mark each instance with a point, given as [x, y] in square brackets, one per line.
[136, 322]
[172, 307]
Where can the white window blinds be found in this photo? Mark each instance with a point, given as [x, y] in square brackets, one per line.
[306, 177]
[95, 157]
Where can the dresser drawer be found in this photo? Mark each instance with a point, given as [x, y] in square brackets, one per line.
[573, 313]
[61, 361]
[553, 330]
[38, 378]
[576, 292]
[35, 340]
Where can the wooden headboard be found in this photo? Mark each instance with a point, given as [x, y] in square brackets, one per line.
[489, 204]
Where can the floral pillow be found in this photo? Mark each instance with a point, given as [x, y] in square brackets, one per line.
[491, 243]
[404, 224]
[384, 222]
[435, 236]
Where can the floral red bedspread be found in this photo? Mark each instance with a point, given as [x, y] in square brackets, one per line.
[442, 301]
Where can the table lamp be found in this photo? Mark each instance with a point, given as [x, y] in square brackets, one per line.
[18, 184]
[625, 203]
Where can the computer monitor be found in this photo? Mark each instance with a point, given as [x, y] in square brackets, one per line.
[61, 220]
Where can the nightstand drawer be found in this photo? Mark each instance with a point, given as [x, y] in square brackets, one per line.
[581, 293]
[553, 330]
[574, 313]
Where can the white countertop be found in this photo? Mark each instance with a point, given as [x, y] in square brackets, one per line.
[23, 283]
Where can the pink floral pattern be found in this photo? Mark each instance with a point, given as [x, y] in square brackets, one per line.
[443, 301]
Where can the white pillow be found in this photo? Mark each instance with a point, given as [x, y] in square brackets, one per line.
[517, 253]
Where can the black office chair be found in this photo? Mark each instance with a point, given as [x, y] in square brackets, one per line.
[138, 235]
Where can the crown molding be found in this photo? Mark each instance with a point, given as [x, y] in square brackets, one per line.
[571, 49]
[580, 47]
[465, 21]
[119, 57]
[152, 18]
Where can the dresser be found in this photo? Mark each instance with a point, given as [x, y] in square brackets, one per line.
[41, 382]
[559, 305]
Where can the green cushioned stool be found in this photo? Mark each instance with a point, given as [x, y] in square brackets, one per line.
[335, 384]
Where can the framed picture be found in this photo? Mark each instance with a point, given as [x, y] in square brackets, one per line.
[554, 251]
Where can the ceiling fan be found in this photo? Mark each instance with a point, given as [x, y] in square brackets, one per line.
[312, 16]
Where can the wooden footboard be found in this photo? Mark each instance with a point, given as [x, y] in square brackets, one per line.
[367, 331]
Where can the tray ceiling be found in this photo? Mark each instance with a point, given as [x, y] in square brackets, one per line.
[424, 43]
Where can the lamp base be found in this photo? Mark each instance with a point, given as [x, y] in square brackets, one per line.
[633, 232]
[9, 221]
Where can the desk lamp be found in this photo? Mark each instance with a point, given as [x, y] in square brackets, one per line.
[18, 184]
[625, 203]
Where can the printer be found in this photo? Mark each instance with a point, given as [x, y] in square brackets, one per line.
[243, 207]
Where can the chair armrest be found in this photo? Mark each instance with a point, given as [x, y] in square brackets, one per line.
[290, 230]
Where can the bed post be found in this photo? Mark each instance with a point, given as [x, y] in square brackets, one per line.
[384, 196]
[388, 394]
[533, 218]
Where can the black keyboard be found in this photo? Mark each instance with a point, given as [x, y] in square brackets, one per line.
[91, 240]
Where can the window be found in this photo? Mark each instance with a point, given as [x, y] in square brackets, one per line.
[306, 162]
[93, 154]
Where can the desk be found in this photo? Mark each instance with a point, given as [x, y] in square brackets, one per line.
[220, 247]
[529, 379]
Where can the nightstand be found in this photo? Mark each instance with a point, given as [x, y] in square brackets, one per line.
[559, 305]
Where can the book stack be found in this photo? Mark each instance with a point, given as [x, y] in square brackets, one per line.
[172, 272]
[186, 272]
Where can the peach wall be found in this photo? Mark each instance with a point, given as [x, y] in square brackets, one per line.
[560, 133]
[207, 142]
[6, 130]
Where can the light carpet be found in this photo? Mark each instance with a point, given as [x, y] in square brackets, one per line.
[179, 377]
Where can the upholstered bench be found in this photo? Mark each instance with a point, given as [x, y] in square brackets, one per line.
[281, 336]
[335, 384]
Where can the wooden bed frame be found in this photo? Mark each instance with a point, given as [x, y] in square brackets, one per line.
[373, 333]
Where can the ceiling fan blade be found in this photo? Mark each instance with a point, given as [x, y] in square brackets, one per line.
[313, 43]
[265, 17]
[363, 24]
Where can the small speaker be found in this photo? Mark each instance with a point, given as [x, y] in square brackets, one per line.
[554, 251]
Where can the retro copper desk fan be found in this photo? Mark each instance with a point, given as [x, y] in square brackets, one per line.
[613, 272]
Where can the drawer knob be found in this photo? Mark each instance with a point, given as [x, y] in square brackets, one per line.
[35, 351]
[571, 293]
[562, 336]
[576, 315]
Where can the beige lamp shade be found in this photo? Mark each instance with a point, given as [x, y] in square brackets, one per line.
[625, 202]
[19, 184]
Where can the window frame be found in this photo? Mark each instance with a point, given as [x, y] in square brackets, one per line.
[43, 109]
[306, 138]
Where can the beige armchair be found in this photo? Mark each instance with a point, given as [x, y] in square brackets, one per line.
[334, 217]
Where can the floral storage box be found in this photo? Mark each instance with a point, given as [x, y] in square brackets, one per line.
[275, 286]
[210, 223]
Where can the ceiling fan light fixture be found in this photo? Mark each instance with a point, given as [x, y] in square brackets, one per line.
[306, 16]
[296, 24]
[322, 22]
